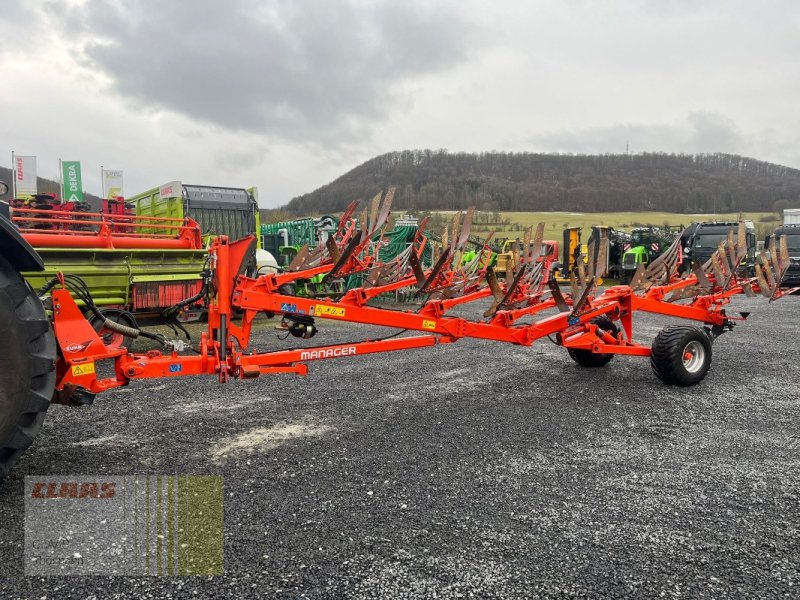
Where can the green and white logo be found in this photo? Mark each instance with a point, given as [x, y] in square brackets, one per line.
[71, 176]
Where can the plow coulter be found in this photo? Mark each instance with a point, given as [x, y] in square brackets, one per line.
[591, 323]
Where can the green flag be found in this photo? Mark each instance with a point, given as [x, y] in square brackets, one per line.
[71, 176]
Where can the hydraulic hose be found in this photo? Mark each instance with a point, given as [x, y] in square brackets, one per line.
[130, 332]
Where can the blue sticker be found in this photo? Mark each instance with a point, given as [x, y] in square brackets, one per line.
[175, 368]
[291, 308]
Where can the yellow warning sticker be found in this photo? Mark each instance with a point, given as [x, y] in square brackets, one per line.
[333, 311]
[84, 369]
[429, 324]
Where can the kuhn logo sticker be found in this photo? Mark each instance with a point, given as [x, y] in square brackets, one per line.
[327, 353]
[77, 347]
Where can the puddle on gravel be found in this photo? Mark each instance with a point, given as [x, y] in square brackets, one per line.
[265, 438]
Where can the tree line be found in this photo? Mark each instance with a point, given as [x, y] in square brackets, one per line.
[508, 181]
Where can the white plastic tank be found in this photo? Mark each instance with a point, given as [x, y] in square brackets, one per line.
[266, 263]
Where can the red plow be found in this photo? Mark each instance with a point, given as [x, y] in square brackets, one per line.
[592, 324]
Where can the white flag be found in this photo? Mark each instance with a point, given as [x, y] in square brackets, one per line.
[112, 184]
[25, 176]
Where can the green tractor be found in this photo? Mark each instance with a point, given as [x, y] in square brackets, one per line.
[646, 244]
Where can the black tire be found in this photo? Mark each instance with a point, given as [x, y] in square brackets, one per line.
[681, 355]
[589, 359]
[27, 365]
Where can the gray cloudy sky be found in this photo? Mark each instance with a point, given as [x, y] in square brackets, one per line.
[289, 94]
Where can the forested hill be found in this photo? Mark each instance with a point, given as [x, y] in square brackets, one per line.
[500, 181]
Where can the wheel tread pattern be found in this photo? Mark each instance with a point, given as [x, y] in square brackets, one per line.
[666, 354]
[36, 333]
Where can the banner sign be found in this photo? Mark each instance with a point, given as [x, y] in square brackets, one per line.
[112, 183]
[25, 176]
[173, 189]
[71, 176]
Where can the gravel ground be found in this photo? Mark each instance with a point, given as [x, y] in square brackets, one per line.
[467, 470]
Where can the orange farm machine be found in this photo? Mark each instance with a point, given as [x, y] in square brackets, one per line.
[52, 352]
[135, 268]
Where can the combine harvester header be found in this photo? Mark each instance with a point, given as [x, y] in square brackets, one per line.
[132, 264]
[68, 229]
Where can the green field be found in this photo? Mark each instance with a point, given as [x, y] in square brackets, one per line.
[510, 224]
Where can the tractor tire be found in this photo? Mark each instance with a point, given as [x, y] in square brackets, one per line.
[589, 359]
[27, 365]
[681, 355]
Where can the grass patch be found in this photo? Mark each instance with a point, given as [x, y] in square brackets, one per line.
[510, 224]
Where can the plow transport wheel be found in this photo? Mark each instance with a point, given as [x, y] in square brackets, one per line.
[681, 355]
[27, 365]
[587, 358]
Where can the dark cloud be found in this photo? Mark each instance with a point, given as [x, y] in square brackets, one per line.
[302, 70]
[701, 131]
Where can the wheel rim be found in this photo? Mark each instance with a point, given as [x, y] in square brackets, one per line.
[694, 356]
